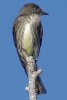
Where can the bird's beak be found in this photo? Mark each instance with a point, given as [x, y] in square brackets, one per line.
[44, 13]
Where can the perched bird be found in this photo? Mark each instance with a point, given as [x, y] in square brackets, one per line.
[27, 35]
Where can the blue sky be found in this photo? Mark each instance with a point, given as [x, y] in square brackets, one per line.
[53, 54]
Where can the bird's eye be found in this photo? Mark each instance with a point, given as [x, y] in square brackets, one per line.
[36, 8]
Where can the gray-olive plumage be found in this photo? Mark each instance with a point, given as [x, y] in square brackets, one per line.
[27, 34]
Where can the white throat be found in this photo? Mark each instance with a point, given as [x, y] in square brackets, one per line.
[35, 18]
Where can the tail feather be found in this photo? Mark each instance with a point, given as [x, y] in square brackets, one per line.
[40, 87]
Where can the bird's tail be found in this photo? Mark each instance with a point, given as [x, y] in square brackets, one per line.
[39, 86]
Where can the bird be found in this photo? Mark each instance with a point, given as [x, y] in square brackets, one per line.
[27, 36]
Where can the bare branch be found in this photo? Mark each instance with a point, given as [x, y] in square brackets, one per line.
[32, 75]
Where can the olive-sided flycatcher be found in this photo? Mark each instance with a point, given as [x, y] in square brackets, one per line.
[27, 34]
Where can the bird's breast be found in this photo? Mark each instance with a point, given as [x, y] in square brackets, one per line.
[29, 35]
[28, 39]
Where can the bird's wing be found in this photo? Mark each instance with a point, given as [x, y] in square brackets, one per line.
[15, 28]
[40, 33]
[14, 31]
[38, 40]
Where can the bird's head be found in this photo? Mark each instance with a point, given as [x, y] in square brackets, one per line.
[32, 8]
